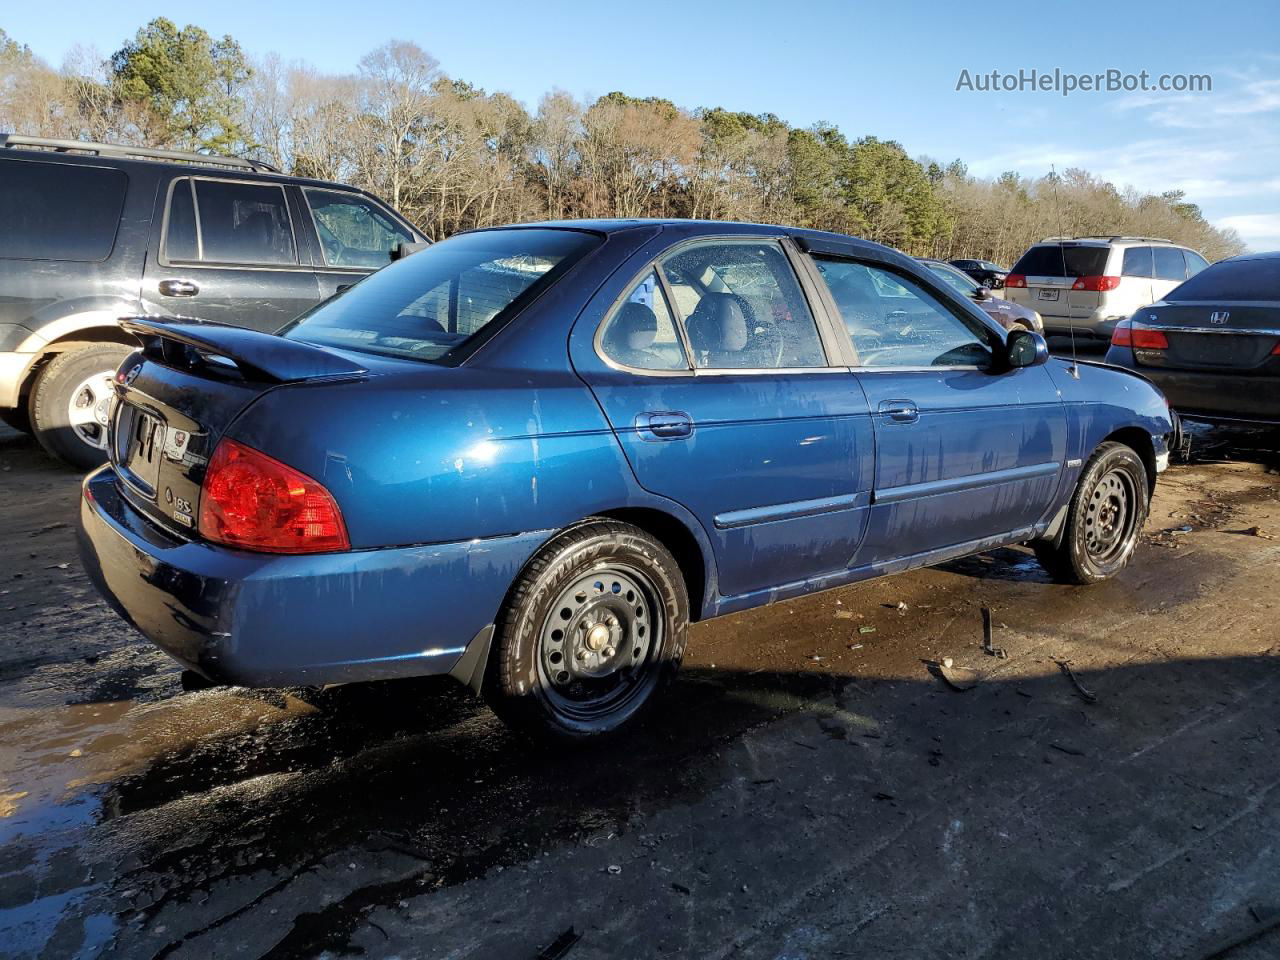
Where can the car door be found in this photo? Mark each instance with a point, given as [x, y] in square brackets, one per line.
[966, 450]
[351, 236]
[1170, 270]
[226, 250]
[713, 373]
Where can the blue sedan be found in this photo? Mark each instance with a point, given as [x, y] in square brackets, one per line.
[530, 456]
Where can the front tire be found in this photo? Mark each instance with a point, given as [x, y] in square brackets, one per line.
[70, 400]
[1107, 513]
[592, 632]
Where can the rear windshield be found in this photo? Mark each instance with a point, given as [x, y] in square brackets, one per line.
[429, 305]
[1233, 280]
[1047, 261]
[58, 211]
[953, 278]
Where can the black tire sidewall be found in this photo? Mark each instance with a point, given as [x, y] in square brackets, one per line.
[52, 392]
[514, 686]
[1109, 457]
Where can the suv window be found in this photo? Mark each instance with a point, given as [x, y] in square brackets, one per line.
[1169, 263]
[742, 306]
[59, 211]
[894, 322]
[353, 231]
[641, 332]
[1137, 262]
[1046, 260]
[233, 222]
[1195, 262]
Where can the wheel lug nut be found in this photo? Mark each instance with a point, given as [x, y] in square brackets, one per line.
[582, 656]
[607, 652]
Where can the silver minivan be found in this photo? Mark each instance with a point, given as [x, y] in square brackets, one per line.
[1092, 283]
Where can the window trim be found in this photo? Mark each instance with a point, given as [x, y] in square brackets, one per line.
[943, 296]
[324, 263]
[163, 256]
[830, 349]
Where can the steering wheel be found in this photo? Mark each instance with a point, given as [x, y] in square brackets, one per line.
[766, 339]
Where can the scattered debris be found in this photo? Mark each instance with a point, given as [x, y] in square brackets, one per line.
[1085, 694]
[844, 614]
[614, 869]
[47, 527]
[57, 566]
[881, 795]
[902, 606]
[865, 629]
[957, 678]
[1258, 532]
[680, 888]
[1185, 528]
[560, 946]
[856, 646]
[815, 658]
[987, 648]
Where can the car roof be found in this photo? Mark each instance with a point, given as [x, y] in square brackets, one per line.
[1263, 255]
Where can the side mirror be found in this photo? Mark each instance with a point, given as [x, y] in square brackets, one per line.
[1024, 348]
[982, 293]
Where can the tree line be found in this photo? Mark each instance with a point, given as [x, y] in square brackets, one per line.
[452, 156]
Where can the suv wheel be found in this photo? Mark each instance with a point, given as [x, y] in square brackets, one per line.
[70, 401]
[1105, 519]
[594, 629]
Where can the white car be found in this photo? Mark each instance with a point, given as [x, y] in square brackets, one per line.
[1092, 283]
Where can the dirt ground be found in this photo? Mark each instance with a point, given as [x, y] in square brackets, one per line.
[810, 789]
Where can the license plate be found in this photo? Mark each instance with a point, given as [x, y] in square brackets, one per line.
[1048, 294]
[145, 440]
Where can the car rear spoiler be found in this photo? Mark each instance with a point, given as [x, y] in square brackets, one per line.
[216, 347]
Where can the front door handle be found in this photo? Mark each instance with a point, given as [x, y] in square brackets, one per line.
[899, 411]
[178, 288]
[664, 425]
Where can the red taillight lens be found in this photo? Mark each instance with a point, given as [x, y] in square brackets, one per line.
[1096, 284]
[1276, 351]
[1016, 280]
[1127, 334]
[254, 502]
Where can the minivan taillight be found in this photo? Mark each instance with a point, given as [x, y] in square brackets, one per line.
[1016, 280]
[254, 502]
[1126, 334]
[1096, 284]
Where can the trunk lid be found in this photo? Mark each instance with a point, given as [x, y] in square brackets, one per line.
[1222, 337]
[176, 397]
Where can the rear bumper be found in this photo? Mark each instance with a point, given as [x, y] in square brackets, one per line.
[264, 620]
[1212, 396]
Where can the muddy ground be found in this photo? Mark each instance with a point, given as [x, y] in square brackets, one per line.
[809, 790]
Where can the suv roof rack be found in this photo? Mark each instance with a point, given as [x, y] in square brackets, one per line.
[1109, 239]
[145, 153]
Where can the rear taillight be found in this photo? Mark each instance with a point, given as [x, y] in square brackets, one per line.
[1141, 338]
[1096, 284]
[1016, 280]
[1276, 351]
[254, 502]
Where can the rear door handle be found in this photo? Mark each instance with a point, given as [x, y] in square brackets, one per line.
[664, 425]
[899, 411]
[178, 288]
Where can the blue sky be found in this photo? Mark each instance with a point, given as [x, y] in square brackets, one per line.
[888, 69]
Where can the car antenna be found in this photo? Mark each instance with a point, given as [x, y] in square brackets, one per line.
[1062, 251]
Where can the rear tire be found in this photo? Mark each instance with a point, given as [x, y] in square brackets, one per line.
[1107, 513]
[69, 403]
[592, 632]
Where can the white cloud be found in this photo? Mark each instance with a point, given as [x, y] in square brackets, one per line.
[1261, 231]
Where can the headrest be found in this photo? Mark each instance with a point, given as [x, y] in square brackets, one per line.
[634, 328]
[719, 324]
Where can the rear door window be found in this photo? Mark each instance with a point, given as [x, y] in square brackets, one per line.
[229, 222]
[1169, 263]
[1051, 260]
[641, 333]
[353, 231]
[59, 211]
[1137, 262]
[1195, 262]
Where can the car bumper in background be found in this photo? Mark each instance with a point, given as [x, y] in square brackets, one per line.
[268, 620]
[1206, 395]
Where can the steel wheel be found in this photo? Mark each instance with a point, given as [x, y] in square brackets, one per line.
[87, 410]
[1109, 516]
[597, 641]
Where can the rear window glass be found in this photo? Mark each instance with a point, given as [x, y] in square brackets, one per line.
[1257, 279]
[427, 306]
[1169, 263]
[58, 211]
[1048, 261]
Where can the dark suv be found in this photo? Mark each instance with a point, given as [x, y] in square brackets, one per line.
[93, 232]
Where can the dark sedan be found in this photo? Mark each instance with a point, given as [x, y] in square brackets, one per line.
[1213, 344]
[1011, 316]
[984, 272]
